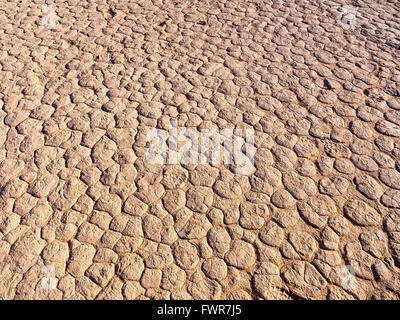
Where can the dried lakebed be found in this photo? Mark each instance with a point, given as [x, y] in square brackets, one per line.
[86, 214]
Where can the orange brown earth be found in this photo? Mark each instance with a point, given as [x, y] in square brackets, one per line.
[84, 214]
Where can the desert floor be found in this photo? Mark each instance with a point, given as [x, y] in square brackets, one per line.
[86, 213]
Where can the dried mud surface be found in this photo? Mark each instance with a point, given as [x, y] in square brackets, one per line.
[83, 215]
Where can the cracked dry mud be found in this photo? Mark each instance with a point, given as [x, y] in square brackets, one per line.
[79, 196]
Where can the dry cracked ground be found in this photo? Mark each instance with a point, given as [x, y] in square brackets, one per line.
[84, 215]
